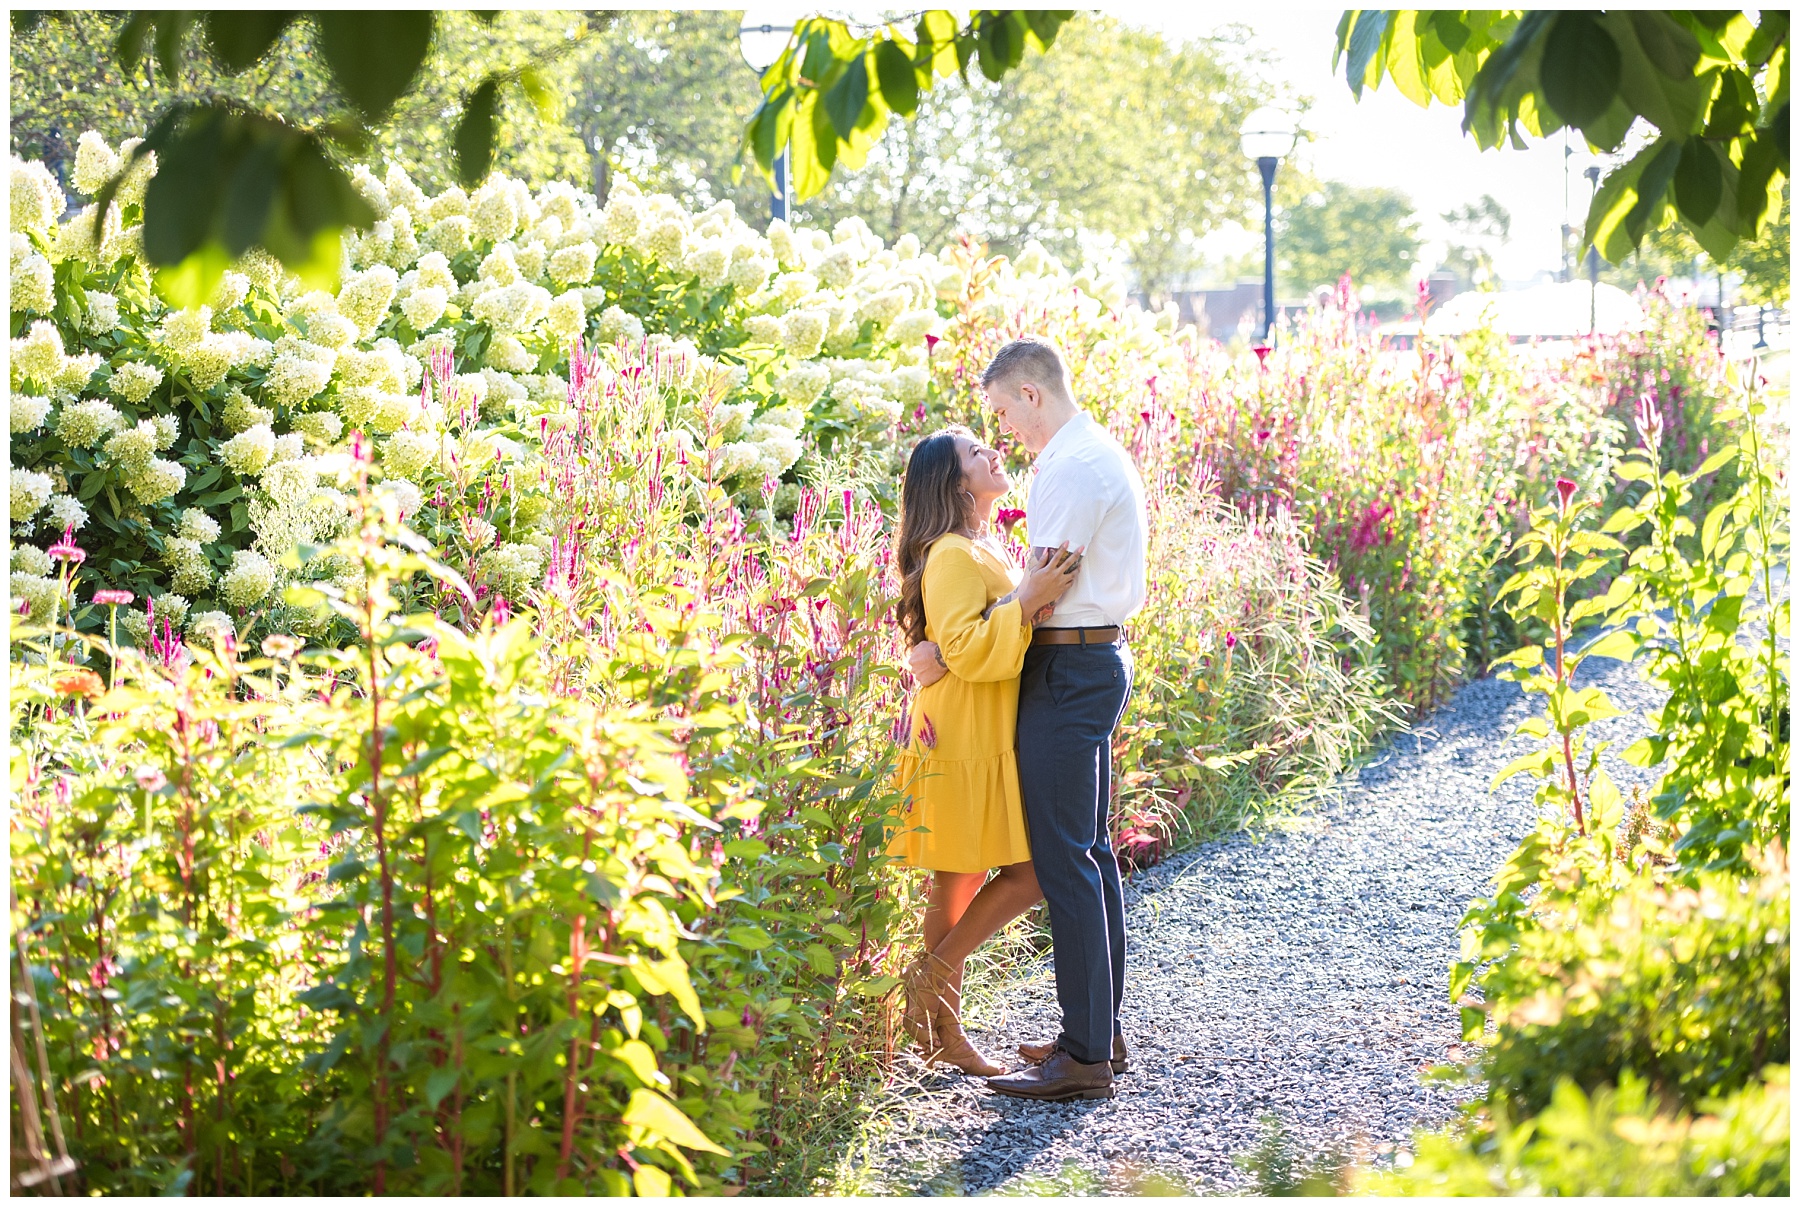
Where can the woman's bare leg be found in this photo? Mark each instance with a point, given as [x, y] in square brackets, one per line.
[1012, 891]
[947, 902]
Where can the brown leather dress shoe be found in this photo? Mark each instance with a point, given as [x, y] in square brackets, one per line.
[1060, 1078]
[1037, 1053]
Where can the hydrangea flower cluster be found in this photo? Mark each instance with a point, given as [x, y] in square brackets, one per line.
[445, 350]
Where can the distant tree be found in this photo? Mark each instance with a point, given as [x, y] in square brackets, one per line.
[66, 79]
[1120, 138]
[664, 97]
[1324, 229]
[1479, 228]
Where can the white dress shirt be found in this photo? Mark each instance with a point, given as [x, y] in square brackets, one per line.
[1087, 492]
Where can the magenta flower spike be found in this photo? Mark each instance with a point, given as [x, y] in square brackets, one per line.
[1565, 494]
[66, 550]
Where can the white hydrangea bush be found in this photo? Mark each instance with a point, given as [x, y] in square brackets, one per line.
[192, 450]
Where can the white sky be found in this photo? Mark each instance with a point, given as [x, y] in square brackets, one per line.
[1387, 140]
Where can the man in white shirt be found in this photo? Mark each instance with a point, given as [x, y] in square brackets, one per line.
[1086, 494]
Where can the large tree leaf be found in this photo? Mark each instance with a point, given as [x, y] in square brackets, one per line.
[894, 73]
[1361, 37]
[237, 38]
[250, 195]
[1763, 167]
[1046, 24]
[1673, 104]
[183, 197]
[1699, 181]
[1504, 76]
[474, 141]
[1629, 196]
[373, 55]
[171, 29]
[1580, 70]
[845, 99]
[814, 145]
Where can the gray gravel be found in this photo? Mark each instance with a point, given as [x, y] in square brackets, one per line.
[1300, 974]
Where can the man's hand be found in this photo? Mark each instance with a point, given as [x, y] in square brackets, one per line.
[926, 662]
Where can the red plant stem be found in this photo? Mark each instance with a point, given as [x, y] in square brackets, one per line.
[1562, 680]
[577, 959]
[183, 730]
[389, 973]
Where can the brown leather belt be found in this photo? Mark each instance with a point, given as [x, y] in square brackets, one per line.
[1104, 635]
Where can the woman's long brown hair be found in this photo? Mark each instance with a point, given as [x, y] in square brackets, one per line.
[932, 503]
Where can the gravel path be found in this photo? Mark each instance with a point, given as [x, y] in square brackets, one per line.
[1299, 974]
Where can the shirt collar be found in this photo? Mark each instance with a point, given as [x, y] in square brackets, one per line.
[1067, 436]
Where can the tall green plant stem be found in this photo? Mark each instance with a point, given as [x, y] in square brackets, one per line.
[378, 811]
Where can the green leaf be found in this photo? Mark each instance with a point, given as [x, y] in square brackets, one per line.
[374, 54]
[845, 99]
[171, 27]
[750, 938]
[894, 73]
[1538, 762]
[129, 47]
[1580, 69]
[1620, 643]
[237, 38]
[474, 140]
[250, 196]
[1699, 181]
[1628, 195]
[1670, 48]
[654, 1113]
[1000, 48]
[1765, 159]
[1367, 32]
[182, 198]
[440, 1083]
[814, 143]
[189, 283]
[1045, 24]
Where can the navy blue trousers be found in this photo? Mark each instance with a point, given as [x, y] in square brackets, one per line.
[1070, 699]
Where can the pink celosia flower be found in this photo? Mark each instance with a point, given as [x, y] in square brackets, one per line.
[66, 550]
[113, 599]
[1565, 494]
[1262, 355]
[1649, 421]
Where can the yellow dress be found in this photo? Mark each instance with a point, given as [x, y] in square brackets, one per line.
[963, 812]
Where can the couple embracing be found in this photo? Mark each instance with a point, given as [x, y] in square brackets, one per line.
[1025, 673]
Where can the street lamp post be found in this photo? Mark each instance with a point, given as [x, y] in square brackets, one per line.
[762, 36]
[1267, 137]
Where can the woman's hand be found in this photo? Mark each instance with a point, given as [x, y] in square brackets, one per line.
[1046, 582]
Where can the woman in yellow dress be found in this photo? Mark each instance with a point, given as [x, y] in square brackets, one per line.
[963, 816]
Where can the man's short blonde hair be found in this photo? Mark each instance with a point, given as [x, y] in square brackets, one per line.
[1029, 358]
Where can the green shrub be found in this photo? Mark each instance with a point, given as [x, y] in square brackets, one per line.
[1620, 1141]
[1680, 980]
[1258, 683]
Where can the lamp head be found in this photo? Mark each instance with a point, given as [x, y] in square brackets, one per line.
[764, 33]
[1268, 134]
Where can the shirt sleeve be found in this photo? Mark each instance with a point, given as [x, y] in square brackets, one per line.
[1068, 502]
[975, 650]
